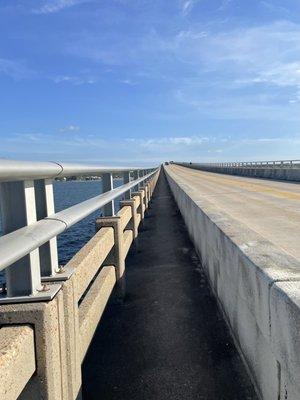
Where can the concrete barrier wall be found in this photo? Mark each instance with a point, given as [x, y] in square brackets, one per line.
[286, 174]
[258, 289]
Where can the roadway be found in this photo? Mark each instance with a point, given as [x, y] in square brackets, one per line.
[270, 208]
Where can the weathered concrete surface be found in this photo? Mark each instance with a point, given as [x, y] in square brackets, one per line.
[276, 173]
[247, 234]
[93, 305]
[17, 360]
[49, 333]
[168, 339]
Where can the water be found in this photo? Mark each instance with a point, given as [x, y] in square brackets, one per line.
[67, 194]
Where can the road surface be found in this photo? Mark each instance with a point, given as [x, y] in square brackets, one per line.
[270, 208]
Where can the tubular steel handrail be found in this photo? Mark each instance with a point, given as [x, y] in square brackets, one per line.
[248, 164]
[17, 244]
[13, 170]
[28, 249]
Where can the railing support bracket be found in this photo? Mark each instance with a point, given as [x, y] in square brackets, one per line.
[46, 293]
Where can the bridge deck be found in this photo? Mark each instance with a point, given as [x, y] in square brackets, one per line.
[271, 208]
[168, 340]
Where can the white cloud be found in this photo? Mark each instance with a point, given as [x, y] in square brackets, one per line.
[152, 150]
[128, 82]
[27, 137]
[70, 128]
[187, 6]
[176, 141]
[54, 6]
[74, 79]
[260, 54]
[15, 69]
[275, 8]
[282, 74]
[224, 4]
[226, 105]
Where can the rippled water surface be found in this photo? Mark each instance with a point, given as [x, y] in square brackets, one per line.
[66, 194]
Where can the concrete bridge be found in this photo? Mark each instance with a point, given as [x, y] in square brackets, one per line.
[209, 308]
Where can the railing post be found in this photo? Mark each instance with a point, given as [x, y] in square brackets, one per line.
[18, 209]
[126, 179]
[133, 224]
[136, 176]
[44, 208]
[108, 184]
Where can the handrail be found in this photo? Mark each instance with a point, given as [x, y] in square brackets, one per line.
[247, 164]
[14, 170]
[29, 246]
[17, 244]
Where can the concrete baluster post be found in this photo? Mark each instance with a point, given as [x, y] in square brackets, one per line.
[50, 381]
[116, 257]
[133, 223]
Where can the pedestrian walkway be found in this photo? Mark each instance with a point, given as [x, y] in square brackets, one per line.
[167, 341]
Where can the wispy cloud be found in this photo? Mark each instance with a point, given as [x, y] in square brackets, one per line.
[171, 141]
[82, 79]
[50, 7]
[268, 53]
[225, 4]
[187, 6]
[16, 69]
[276, 8]
[128, 82]
[26, 137]
[152, 149]
[70, 128]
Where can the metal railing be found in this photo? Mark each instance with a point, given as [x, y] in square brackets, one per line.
[247, 164]
[28, 249]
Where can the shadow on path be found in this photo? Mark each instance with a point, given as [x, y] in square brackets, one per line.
[168, 340]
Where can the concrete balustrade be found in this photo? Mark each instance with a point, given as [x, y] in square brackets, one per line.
[133, 223]
[48, 321]
[93, 305]
[257, 286]
[17, 359]
[127, 240]
[126, 215]
[53, 347]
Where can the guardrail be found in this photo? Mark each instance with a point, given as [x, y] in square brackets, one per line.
[44, 335]
[288, 170]
[248, 164]
[28, 248]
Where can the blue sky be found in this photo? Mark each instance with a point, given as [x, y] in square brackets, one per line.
[142, 81]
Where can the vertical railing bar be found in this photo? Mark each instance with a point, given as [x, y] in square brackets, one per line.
[136, 176]
[126, 179]
[108, 184]
[45, 207]
[18, 209]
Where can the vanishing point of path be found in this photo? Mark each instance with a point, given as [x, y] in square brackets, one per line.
[168, 340]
